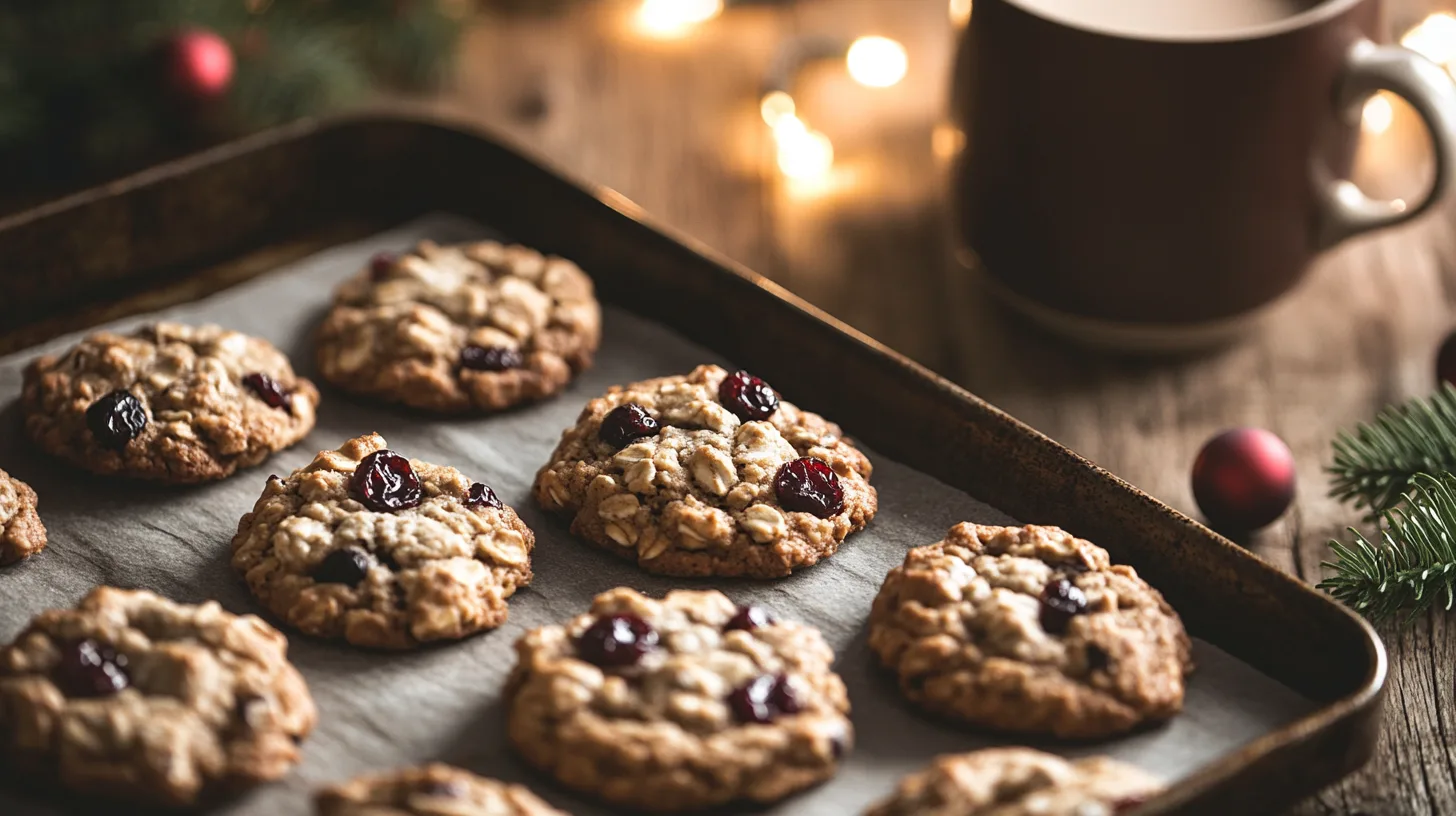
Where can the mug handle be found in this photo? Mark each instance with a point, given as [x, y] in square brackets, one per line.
[1344, 210]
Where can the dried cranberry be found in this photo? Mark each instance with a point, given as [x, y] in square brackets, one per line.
[626, 423]
[1061, 600]
[91, 669]
[763, 699]
[749, 618]
[616, 640]
[747, 396]
[482, 496]
[116, 418]
[269, 391]
[809, 485]
[346, 566]
[385, 481]
[491, 358]
[382, 264]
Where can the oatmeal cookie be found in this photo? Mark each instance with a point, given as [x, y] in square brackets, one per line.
[130, 695]
[1019, 782]
[454, 329]
[21, 533]
[708, 474]
[681, 703]
[168, 402]
[382, 551]
[1027, 629]
[431, 790]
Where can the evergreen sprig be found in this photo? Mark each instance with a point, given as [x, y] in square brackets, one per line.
[1375, 463]
[1412, 565]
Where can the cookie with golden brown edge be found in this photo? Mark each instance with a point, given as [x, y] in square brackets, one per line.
[136, 698]
[680, 703]
[1019, 782]
[708, 473]
[368, 546]
[168, 402]
[21, 532]
[468, 328]
[1030, 630]
[429, 790]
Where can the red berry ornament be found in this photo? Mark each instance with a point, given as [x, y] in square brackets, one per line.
[199, 65]
[1243, 479]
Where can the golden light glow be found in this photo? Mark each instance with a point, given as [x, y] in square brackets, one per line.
[1434, 39]
[668, 19]
[877, 62]
[803, 153]
[946, 141]
[1378, 114]
[775, 106]
[960, 12]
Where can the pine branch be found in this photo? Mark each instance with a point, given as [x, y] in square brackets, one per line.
[1412, 566]
[1374, 464]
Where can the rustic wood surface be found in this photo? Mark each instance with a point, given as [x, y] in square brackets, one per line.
[674, 126]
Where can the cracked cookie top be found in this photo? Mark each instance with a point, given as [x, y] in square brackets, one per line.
[169, 402]
[1028, 629]
[429, 790]
[21, 532]
[681, 703]
[1019, 782]
[708, 474]
[130, 695]
[466, 328]
[382, 551]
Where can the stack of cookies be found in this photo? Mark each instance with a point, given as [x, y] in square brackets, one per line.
[677, 703]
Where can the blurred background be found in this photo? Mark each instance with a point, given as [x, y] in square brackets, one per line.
[808, 140]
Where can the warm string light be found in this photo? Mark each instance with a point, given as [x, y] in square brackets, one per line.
[671, 19]
[877, 62]
[960, 12]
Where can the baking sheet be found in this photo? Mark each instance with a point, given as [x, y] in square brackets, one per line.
[379, 710]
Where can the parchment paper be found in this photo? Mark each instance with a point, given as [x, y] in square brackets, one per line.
[379, 710]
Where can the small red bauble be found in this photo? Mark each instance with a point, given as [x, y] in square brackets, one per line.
[1243, 479]
[1446, 361]
[199, 65]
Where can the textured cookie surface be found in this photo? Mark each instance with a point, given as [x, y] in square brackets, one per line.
[698, 496]
[425, 555]
[680, 703]
[431, 790]
[1028, 629]
[1019, 782]
[132, 696]
[21, 532]
[169, 402]
[469, 328]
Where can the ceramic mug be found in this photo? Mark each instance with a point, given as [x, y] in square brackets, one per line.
[1152, 186]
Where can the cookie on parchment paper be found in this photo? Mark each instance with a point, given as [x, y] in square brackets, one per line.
[1030, 630]
[680, 703]
[21, 532]
[169, 402]
[429, 790]
[467, 328]
[708, 474]
[131, 696]
[383, 551]
[1019, 782]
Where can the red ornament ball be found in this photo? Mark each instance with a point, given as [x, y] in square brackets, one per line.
[199, 65]
[1243, 479]
[1446, 361]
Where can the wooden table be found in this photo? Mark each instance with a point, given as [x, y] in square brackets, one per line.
[675, 127]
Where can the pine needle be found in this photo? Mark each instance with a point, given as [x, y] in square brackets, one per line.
[1413, 564]
[1374, 464]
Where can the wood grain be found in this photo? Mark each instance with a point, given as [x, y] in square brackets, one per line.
[674, 126]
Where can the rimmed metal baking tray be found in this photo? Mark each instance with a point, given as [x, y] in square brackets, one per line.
[203, 223]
